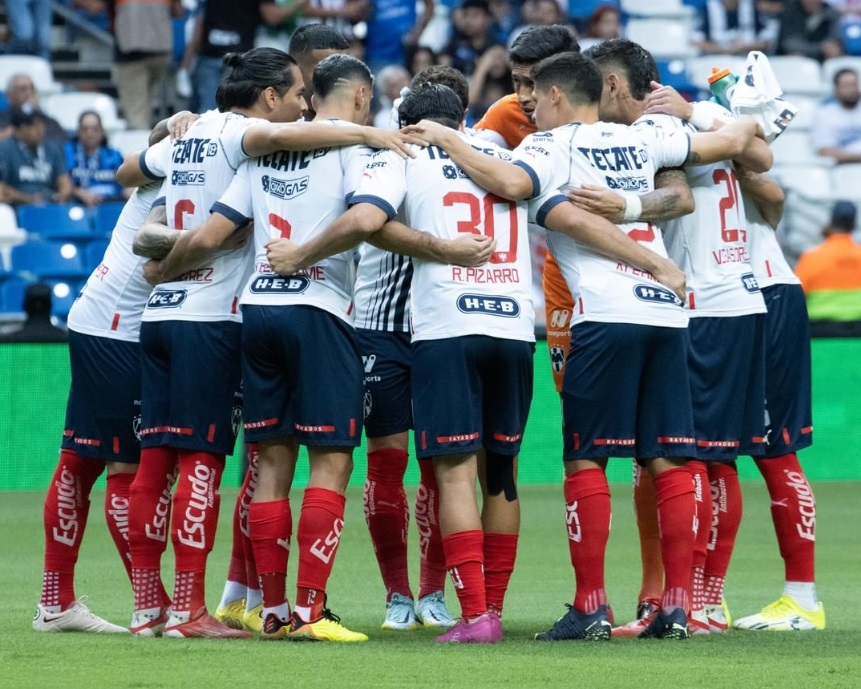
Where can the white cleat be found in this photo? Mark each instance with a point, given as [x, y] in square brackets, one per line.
[432, 612]
[718, 617]
[76, 618]
[400, 614]
[784, 615]
[148, 623]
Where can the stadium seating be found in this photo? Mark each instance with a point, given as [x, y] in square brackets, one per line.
[38, 68]
[106, 216]
[10, 234]
[798, 74]
[794, 147]
[845, 182]
[699, 68]
[664, 39]
[94, 252]
[804, 117]
[812, 181]
[835, 64]
[130, 140]
[63, 295]
[673, 73]
[48, 260]
[12, 295]
[66, 108]
[668, 9]
[57, 221]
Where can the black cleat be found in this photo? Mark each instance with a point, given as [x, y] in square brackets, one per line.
[672, 625]
[579, 626]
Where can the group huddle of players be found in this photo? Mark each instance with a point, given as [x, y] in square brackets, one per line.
[384, 284]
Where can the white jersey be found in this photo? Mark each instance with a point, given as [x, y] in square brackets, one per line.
[297, 195]
[198, 169]
[623, 159]
[438, 198]
[382, 294]
[711, 244]
[769, 264]
[113, 299]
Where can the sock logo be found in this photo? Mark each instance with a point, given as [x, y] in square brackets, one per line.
[119, 512]
[157, 529]
[718, 492]
[806, 528]
[424, 502]
[245, 500]
[193, 531]
[67, 509]
[455, 578]
[572, 522]
[325, 549]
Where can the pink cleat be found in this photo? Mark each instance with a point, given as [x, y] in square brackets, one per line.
[485, 629]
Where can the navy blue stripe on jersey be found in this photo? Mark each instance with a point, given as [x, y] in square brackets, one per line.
[547, 206]
[233, 215]
[144, 169]
[160, 201]
[382, 204]
[536, 183]
[388, 309]
[401, 314]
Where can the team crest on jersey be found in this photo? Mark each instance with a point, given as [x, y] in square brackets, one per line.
[188, 178]
[236, 420]
[167, 299]
[656, 295]
[488, 305]
[367, 404]
[557, 358]
[628, 183]
[274, 284]
[136, 421]
[750, 283]
[285, 188]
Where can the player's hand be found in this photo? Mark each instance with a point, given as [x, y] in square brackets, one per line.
[670, 275]
[284, 256]
[598, 200]
[470, 250]
[179, 123]
[666, 100]
[238, 239]
[399, 141]
[433, 133]
[152, 272]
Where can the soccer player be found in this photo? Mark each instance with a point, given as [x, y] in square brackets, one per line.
[102, 421]
[722, 295]
[628, 334]
[309, 45]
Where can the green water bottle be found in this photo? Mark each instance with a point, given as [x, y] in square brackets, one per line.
[722, 84]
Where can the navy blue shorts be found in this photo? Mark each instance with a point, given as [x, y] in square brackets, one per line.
[469, 393]
[302, 376]
[388, 397]
[103, 414]
[789, 425]
[191, 386]
[625, 393]
[726, 360]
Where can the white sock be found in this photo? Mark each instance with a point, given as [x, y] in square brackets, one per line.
[233, 591]
[804, 593]
[253, 599]
[178, 617]
[303, 612]
[283, 611]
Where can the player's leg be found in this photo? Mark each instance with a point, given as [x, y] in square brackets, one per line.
[431, 609]
[118, 489]
[252, 620]
[726, 519]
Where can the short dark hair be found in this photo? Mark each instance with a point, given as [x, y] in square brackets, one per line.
[633, 59]
[577, 76]
[535, 43]
[482, 5]
[432, 102]
[447, 76]
[840, 72]
[316, 37]
[249, 74]
[338, 68]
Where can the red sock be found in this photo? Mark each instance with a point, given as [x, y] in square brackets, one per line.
[117, 515]
[236, 569]
[433, 570]
[646, 513]
[703, 500]
[319, 534]
[271, 525]
[587, 515]
[726, 518]
[500, 552]
[676, 513]
[195, 519]
[64, 514]
[249, 485]
[149, 523]
[387, 514]
[793, 511]
[464, 557]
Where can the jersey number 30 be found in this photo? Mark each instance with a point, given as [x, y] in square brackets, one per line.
[481, 214]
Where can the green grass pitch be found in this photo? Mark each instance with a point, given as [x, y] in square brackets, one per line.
[542, 583]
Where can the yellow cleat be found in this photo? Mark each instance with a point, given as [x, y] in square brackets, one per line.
[230, 615]
[327, 628]
[784, 615]
[252, 620]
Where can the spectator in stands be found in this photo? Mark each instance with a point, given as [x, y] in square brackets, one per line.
[472, 36]
[143, 35]
[92, 164]
[731, 27]
[390, 20]
[30, 25]
[420, 57]
[38, 326]
[605, 23]
[836, 127]
[490, 81]
[809, 28]
[390, 81]
[505, 18]
[19, 90]
[32, 169]
[831, 273]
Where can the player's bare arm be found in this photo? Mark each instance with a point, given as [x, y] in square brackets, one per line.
[469, 250]
[264, 138]
[726, 143]
[765, 192]
[489, 172]
[672, 198]
[602, 236]
[665, 99]
[155, 239]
